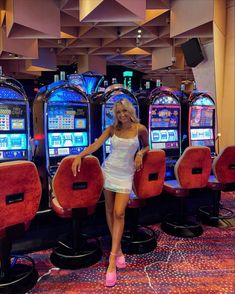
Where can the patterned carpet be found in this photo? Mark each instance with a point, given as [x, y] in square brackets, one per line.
[205, 264]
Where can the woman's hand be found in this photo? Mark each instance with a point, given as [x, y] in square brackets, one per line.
[76, 165]
[138, 161]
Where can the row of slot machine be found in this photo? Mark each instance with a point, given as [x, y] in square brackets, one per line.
[66, 119]
[174, 125]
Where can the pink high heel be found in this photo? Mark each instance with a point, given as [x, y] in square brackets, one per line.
[111, 277]
[120, 261]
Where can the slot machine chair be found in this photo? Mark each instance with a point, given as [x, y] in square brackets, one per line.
[148, 182]
[192, 171]
[76, 198]
[223, 179]
[20, 193]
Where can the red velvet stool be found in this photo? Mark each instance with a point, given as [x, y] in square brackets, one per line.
[76, 198]
[148, 182]
[222, 180]
[192, 171]
[20, 193]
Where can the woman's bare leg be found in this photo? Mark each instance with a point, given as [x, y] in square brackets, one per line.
[120, 204]
[109, 207]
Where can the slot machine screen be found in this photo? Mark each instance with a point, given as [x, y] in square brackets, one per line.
[202, 117]
[65, 143]
[13, 141]
[12, 117]
[11, 124]
[202, 137]
[80, 123]
[67, 129]
[164, 127]
[13, 133]
[164, 117]
[67, 117]
[13, 146]
[18, 124]
[164, 139]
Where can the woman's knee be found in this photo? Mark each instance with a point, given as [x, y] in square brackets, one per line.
[119, 214]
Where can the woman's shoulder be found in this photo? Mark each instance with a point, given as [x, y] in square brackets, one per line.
[110, 129]
[141, 127]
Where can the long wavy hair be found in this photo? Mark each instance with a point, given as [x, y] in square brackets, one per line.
[130, 108]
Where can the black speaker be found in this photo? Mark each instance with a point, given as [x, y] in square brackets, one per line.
[192, 52]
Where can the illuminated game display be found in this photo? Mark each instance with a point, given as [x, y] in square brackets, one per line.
[62, 118]
[14, 124]
[61, 126]
[164, 125]
[112, 94]
[201, 120]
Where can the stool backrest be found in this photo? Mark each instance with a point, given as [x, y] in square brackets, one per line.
[85, 189]
[20, 192]
[224, 165]
[193, 168]
[148, 181]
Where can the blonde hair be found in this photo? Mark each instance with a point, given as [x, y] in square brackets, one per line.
[129, 107]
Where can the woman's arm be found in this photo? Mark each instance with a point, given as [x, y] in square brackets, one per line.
[76, 165]
[144, 138]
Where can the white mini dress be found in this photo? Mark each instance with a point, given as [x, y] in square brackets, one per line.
[118, 168]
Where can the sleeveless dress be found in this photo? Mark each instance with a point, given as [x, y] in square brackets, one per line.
[118, 168]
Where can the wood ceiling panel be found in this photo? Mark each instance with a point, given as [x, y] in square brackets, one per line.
[100, 30]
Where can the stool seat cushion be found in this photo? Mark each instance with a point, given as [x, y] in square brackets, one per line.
[59, 210]
[67, 212]
[136, 203]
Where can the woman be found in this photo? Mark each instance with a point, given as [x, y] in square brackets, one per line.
[118, 170]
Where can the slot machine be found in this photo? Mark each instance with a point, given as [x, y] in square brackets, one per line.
[165, 126]
[14, 121]
[202, 120]
[61, 128]
[112, 94]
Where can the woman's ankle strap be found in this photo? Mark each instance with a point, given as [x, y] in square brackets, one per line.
[113, 254]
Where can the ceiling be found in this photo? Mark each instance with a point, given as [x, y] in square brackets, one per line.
[65, 31]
